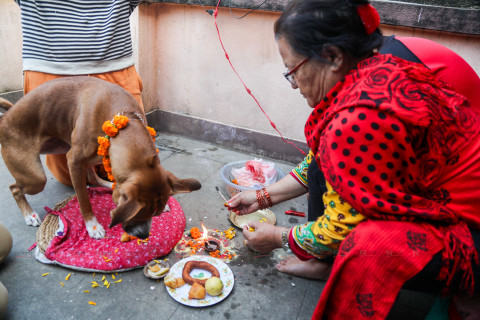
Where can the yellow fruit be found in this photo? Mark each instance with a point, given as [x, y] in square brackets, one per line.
[214, 286]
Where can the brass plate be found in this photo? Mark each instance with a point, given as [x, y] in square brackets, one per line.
[240, 221]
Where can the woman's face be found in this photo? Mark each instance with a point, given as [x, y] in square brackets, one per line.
[314, 79]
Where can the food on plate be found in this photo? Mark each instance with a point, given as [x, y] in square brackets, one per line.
[214, 286]
[197, 291]
[190, 265]
[172, 282]
[157, 270]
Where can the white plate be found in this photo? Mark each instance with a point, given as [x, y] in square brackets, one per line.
[181, 294]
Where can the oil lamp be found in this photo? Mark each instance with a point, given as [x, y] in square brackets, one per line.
[209, 244]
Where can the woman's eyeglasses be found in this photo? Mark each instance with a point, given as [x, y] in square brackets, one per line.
[289, 74]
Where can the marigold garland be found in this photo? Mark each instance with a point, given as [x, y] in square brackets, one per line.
[111, 129]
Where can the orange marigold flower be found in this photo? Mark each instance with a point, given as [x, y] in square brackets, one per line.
[152, 131]
[102, 151]
[107, 165]
[109, 129]
[104, 142]
[195, 233]
[120, 121]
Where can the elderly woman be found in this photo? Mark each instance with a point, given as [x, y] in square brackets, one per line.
[400, 152]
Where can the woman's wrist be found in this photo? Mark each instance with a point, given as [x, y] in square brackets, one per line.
[278, 237]
[263, 199]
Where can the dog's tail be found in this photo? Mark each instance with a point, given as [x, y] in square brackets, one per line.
[4, 105]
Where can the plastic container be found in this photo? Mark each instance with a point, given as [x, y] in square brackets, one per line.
[232, 188]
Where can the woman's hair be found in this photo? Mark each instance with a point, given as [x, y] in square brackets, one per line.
[311, 26]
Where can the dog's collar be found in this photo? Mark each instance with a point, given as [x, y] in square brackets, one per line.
[134, 116]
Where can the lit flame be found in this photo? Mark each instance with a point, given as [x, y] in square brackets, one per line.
[205, 233]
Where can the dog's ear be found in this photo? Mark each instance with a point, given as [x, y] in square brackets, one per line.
[125, 211]
[152, 161]
[182, 185]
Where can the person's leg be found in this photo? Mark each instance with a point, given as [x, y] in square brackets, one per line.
[3, 300]
[426, 280]
[5, 242]
[310, 269]
[56, 163]
[128, 79]
[5, 247]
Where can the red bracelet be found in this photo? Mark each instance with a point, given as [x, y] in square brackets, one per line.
[260, 201]
[265, 192]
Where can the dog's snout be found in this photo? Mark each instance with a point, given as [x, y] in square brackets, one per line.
[136, 233]
[140, 230]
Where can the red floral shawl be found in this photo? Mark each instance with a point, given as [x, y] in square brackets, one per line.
[391, 140]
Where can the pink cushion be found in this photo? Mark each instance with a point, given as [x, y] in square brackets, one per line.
[74, 248]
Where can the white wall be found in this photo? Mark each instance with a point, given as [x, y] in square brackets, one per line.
[10, 47]
[184, 69]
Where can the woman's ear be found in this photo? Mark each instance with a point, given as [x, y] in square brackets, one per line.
[335, 56]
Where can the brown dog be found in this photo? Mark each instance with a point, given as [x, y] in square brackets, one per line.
[66, 116]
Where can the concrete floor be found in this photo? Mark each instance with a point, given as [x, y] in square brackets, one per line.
[260, 292]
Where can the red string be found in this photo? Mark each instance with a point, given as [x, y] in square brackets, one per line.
[246, 88]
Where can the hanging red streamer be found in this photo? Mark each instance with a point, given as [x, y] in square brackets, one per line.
[215, 13]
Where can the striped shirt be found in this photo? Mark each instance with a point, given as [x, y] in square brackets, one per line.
[76, 37]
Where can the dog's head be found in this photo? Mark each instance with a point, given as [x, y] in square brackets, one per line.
[144, 194]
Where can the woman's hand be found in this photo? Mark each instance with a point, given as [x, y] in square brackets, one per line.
[265, 238]
[244, 202]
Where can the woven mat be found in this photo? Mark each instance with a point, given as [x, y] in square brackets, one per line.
[48, 227]
[63, 239]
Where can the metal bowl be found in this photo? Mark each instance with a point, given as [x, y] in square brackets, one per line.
[162, 264]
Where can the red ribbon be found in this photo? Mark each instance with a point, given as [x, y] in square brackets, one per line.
[370, 18]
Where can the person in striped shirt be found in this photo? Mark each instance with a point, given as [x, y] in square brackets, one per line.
[73, 38]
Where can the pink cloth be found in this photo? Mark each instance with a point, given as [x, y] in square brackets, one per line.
[74, 248]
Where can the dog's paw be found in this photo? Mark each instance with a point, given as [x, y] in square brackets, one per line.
[33, 219]
[95, 229]
[167, 208]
